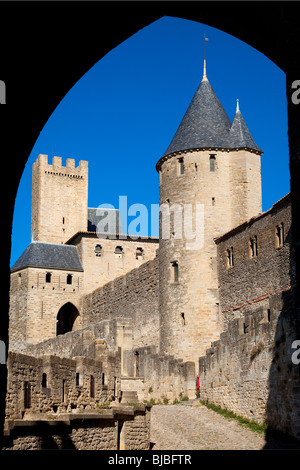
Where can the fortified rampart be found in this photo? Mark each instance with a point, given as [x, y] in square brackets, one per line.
[134, 296]
[249, 370]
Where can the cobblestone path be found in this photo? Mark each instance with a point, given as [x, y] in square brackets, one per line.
[192, 426]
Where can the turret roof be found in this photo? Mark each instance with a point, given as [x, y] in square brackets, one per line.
[239, 134]
[206, 125]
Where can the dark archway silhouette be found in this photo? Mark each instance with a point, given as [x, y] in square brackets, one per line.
[66, 317]
[36, 82]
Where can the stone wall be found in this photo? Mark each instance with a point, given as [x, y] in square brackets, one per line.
[56, 385]
[133, 296]
[102, 267]
[121, 428]
[35, 303]
[252, 279]
[157, 376]
[249, 370]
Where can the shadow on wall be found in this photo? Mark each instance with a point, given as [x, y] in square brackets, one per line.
[283, 405]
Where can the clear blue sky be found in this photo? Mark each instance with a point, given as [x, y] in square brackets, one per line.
[123, 113]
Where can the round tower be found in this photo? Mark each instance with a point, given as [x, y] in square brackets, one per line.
[209, 182]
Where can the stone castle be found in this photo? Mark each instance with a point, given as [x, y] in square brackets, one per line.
[95, 316]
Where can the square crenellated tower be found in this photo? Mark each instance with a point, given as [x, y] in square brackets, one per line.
[59, 206]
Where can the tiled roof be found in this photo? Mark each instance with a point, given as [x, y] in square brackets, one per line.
[49, 255]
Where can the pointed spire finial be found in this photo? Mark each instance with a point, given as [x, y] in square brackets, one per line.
[237, 106]
[204, 65]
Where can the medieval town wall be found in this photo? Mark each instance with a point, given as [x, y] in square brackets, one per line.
[132, 296]
[106, 258]
[249, 370]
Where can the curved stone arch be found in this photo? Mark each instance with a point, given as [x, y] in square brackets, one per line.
[67, 319]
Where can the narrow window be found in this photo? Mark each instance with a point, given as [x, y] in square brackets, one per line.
[180, 166]
[92, 387]
[69, 279]
[63, 220]
[253, 247]
[269, 315]
[182, 319]
[63, 390]
[212, 162]
[230, 260]
[245, 328]
[27, 395]
[98, 250]
[137, 364]
[213, 201]
[279, 235]
[44, 380]
[175, 272]
[48, 277]
[103, 378]
[139, 253]
[196, 168]
[77, 379]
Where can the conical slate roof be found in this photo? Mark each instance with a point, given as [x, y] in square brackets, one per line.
[204, 125]
[239, 135]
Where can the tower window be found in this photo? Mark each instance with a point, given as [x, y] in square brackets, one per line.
[213, 201]
[180, 166]
[44, 380]
[98, 250]
[63, 220]
[230, 260]
[92, 387]
[77, 379]
[48, 277]
[279, 238]
[253, 247]
[212, 162]
[182, 319]
[139, 253]
[175, 271]
[69, 279]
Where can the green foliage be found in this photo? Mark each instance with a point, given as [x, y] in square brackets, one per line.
[247, 423]
[103, 404]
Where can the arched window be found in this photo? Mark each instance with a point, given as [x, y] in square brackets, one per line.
[98, 250]
[212, 162]
[69, 279]
[48, 277]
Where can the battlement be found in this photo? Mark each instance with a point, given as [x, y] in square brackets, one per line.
[57, 169]
[59, 199]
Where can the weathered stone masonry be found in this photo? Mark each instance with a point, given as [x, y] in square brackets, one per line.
[249, 370]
